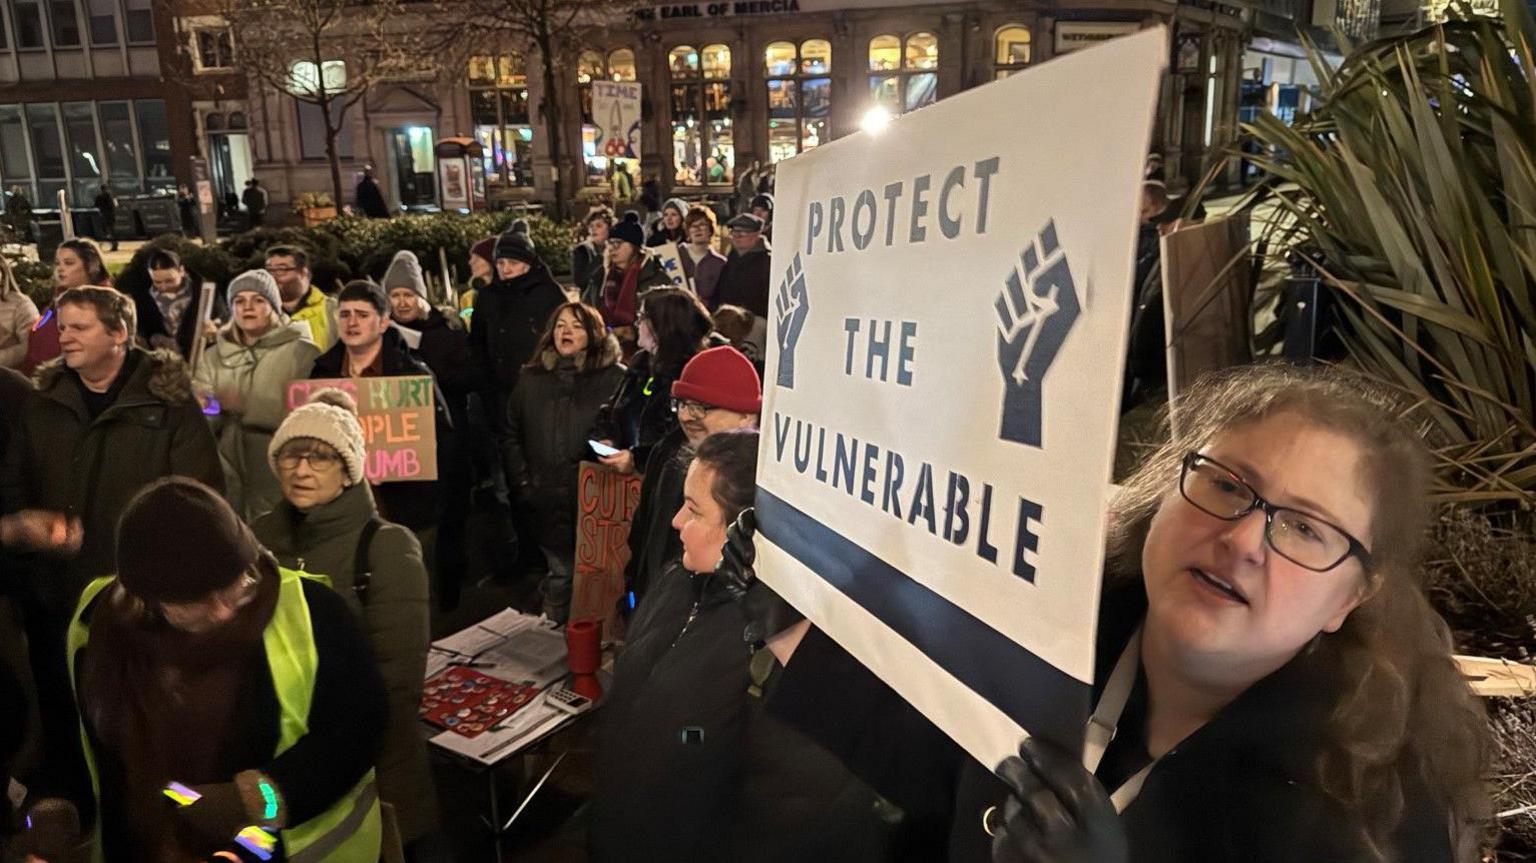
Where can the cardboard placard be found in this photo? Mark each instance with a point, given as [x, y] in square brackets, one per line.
[398, 419]
[670, 257]
[605, 504]
[949, 307]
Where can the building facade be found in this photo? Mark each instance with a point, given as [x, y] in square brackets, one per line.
[729, 84]
[108, 92]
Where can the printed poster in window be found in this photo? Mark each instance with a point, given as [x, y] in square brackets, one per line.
[616, 114]
[1188, 58]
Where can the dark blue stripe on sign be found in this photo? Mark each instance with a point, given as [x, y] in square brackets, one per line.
[1044, 700]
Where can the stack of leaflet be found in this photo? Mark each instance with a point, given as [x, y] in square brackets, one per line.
[516, 648]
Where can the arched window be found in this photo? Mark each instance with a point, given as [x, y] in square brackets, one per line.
[621, 65]
[904, 71]
[592, 66]
[498, 101]
[703, 152]
[799, 96]
[1010, 50]
[213, 122]
[237, 120]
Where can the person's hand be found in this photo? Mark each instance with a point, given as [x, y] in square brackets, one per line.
[766, 613]
[217, 816]
[1057, 813]
[622, 461]
[211, 330]
[42, 530]
[53, 834]
[231, 400]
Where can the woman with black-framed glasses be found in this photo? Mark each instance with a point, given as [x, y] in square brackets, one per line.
[1271, 683]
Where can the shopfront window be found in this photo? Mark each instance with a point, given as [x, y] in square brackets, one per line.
[904, 71]
[1010, 50]
[15, 167]
[619, 65]
[85, 161]
[47, 150]
[498, 99]
[799, 96]
[703, 149]
[117, 139]
[155, 144]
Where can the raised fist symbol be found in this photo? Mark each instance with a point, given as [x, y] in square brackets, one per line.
[1036, 309]
[790, 308]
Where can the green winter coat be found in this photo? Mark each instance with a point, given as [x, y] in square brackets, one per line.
[260, 373]
[395, 618]
[60, 459]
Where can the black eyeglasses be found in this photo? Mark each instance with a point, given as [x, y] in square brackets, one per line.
[682, 406]
[1303, 539]
[319, 460]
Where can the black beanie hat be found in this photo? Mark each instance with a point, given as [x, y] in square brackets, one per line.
[629, 230]
[178, 541]
[514, 244]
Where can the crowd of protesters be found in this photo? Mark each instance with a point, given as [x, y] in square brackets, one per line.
[214, 594]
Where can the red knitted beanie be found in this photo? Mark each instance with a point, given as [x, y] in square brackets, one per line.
[722, 377]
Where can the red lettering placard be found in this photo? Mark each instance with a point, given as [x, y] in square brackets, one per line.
[605, 503]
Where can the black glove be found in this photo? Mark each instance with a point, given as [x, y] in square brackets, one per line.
[53, 833]
[216, 817]
[1057, 813]
[765, 611]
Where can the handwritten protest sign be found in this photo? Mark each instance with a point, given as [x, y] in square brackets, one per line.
[605, 503]
[397, 415]
[671, 260]
[616, 118]
[950, 298]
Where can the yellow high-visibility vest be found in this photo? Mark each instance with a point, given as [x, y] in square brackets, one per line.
[351, 830]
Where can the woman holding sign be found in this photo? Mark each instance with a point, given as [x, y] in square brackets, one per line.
[243, 381]
[1271, 684]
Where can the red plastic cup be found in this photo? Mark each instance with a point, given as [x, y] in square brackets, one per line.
[584, 646]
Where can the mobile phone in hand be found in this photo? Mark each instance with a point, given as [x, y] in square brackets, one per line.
[601, 448]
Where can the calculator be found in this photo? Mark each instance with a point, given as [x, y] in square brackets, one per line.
[562, 698]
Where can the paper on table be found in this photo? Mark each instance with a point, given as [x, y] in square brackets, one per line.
[532, 651]
[487, 633]
[525, 727]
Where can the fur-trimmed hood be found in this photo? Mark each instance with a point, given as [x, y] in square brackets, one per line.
[610, 354]
[160, 372]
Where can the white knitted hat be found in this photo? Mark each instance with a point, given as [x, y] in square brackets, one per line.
[331, 418]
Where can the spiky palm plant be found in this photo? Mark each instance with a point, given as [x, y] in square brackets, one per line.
[1411, 191]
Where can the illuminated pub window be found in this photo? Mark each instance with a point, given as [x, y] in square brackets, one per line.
[703, 152]
[498, 100]
[1010, 51]
[592, 66]
[904, 72]
[799, 96]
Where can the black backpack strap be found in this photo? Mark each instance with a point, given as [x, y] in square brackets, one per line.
[362, 573]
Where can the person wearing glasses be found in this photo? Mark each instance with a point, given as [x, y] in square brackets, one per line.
[1271, 682]
[303, 302]
[327, 525]
[575, 367]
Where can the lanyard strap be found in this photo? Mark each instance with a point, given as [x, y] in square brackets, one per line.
[1103, 724]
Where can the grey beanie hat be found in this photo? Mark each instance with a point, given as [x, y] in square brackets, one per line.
[331, 418]
[255, 282]
[405, 272]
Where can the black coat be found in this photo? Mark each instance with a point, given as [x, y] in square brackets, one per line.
[548, 418]
[370, 199]
[417, 505]
[585, 259]
[151, 323]
[509, 316]
[1240, 788]
[639, 413]
[653, 544]
[744, 281]
[672, 739]
[445, 350]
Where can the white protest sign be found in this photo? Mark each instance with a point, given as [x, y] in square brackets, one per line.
[616, 114]
[671, 261]
[950, 304]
